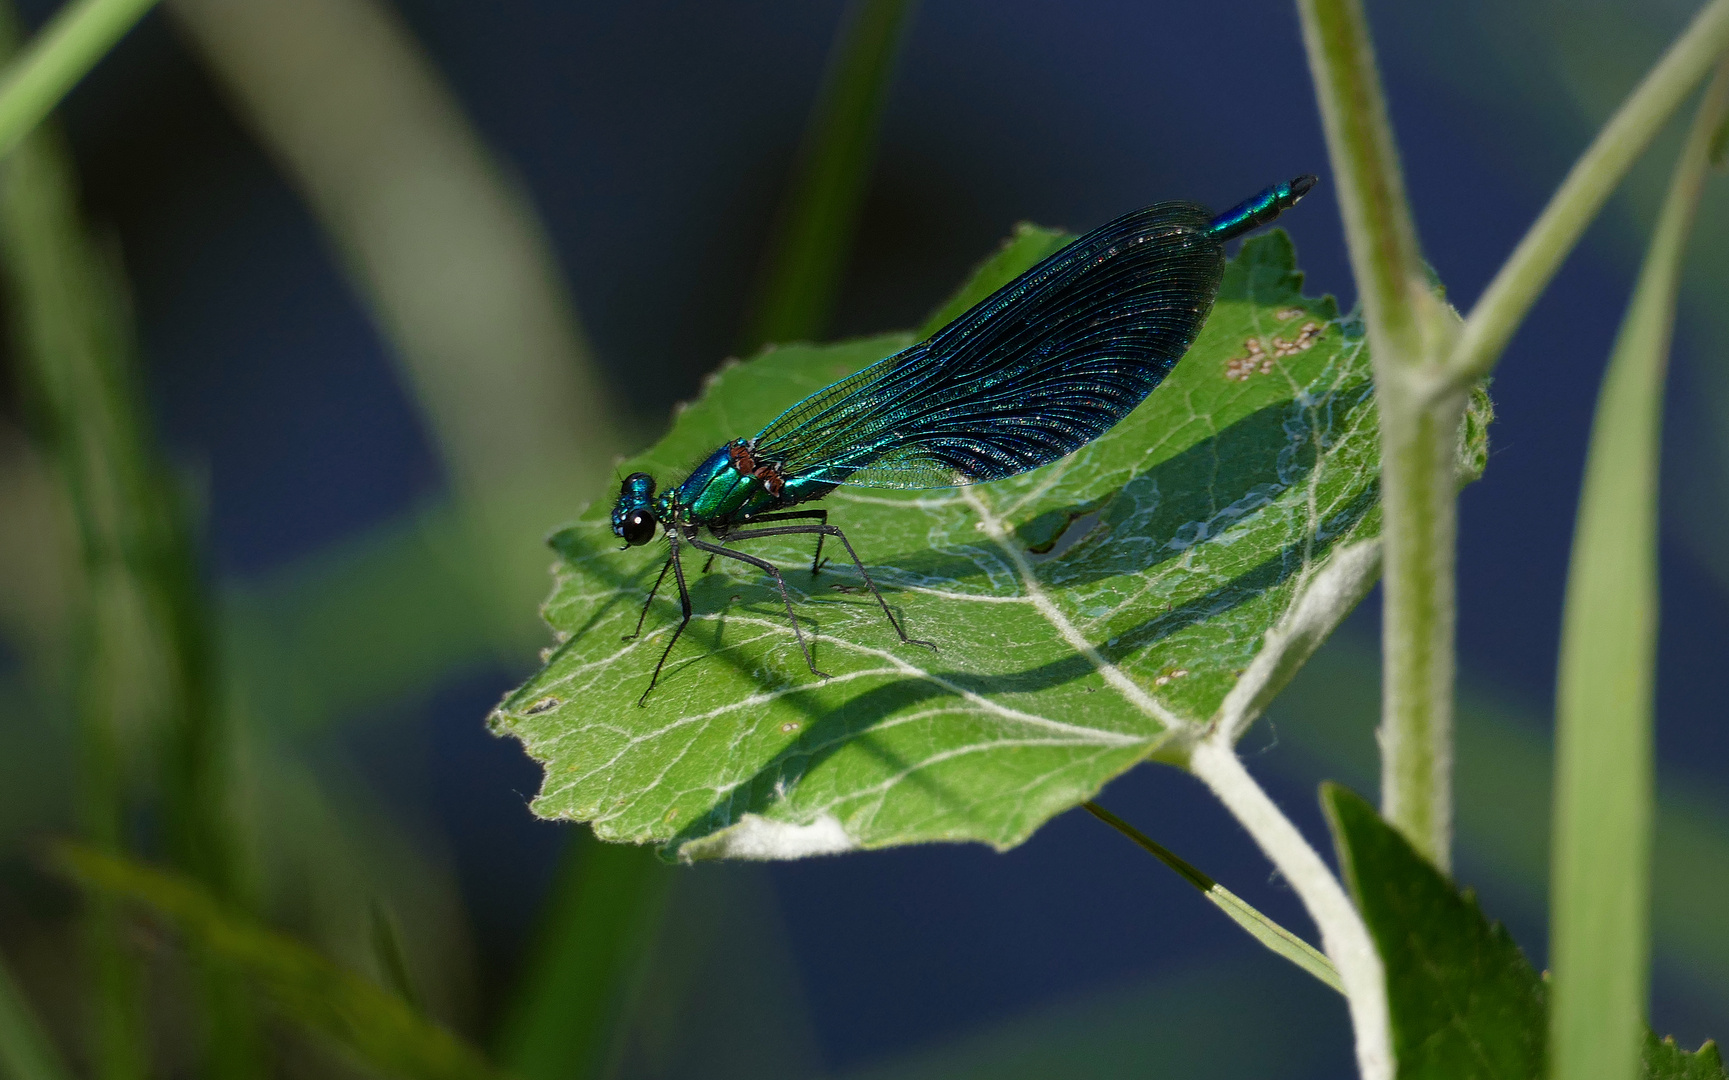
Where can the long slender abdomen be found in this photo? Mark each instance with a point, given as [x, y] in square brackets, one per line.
[1260, 209]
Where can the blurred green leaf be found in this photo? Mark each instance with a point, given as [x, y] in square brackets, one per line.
[360, 624]
[1719, 144]
[25, 1052]
[598, 922]
[721, 927]
[377, 1028]
[329, 847]
[1464, 1002]
[1168, 549]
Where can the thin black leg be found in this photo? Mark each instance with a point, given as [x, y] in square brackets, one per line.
[786, 597]
[834, 530]
[664, 567]
[684, 601]
[819, 515]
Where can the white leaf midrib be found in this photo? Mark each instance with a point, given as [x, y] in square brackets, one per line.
[1115, 677]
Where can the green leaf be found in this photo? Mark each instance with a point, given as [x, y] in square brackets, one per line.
[1663, 1060]
[1464, 1002]
[1087, 615]
[375, 1026]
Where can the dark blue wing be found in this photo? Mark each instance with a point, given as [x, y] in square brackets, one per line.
[1046, 364]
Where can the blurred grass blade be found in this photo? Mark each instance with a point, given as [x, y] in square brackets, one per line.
[1600, 898]
[449, 257]
[328, 848]
[815, 232]
[1264, 930]
[599, 922]
[1719, 151]
[25, 1052]
[120, 1040]
[79, 35]
[146, 659]
[45, 296]
[443, 248]
[376, 1027]
[387, 950]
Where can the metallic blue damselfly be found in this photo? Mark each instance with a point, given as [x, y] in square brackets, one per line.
[1043, 366]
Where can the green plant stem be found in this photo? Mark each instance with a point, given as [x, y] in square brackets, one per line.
[1344, 936]
[1604, 804]
[1581, 195]
[822, 208]
[1419, 510]
[1407, 329]
[25, 1052]
[1381, 236]
[1265, 930]
[79, 35]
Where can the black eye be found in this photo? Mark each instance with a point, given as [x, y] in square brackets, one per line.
[637, 527]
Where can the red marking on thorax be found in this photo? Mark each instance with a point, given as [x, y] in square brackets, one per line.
[745, 462]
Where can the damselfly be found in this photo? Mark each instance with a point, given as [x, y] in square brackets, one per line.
[1041, 367]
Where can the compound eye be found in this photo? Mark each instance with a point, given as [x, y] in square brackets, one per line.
[637, 527]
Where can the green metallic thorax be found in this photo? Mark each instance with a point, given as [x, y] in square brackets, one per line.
[717, 493]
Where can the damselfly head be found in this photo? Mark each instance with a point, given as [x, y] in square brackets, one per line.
[633, 518]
